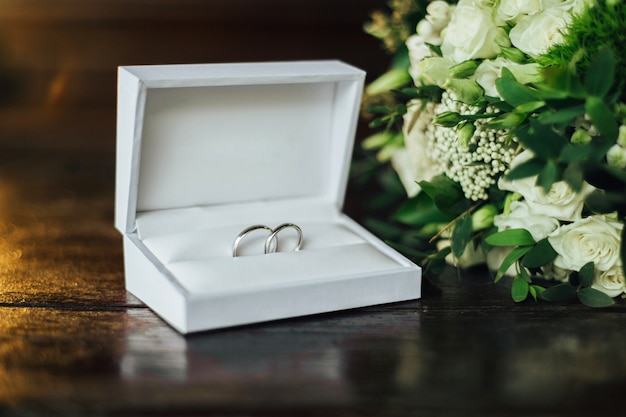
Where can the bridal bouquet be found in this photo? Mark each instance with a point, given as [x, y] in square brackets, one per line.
[506, 123]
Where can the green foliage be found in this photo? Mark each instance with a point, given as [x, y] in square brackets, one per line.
[580, 290]
[461, 235]
[542, 129]
[582, 80]
[540, 254]
[601, 25]
[511, 237]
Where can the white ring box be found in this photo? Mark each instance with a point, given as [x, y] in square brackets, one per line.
[204, 151]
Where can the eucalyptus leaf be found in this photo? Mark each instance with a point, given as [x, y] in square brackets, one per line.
[536, 291]
[565, 115]
[605, 202]
[586, 274]
[377, 123]
[436, 263]
[519, 289]
[602, 117]
[573, 176]
[444, 192]
[514, 93]
[559, 293]
[526, 169]
[594, 298]
[461, 235]
[506, 73]
[379, 110]
[420, 210]
[600, 73]
[561, 81]
[507, 120]
[509, 260]
[530, 106]
[549, 175]
[542, 140]
[541, 254]
[606, 177]
[511, 237]
[572, 152]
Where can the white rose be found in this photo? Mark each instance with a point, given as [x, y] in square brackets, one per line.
[486, 75]
[472, 255]
[561, 202]
[572, 6]
[496, 256]
[616, 156]
[534, 35]
[414, 163]
[610, 282]
[428, 33]
[520, 217]
[472, 34]
[438, 14]
[490, 70]
[593, 238]
[418, 50]
[552, 271]
[510, 10]
[434, 70]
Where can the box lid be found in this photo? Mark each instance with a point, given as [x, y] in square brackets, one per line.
[215, 134]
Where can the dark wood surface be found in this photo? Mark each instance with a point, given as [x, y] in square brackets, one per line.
[74, 342]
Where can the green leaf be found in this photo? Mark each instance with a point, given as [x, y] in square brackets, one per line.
[511, 237]
[379, 110]
[602, 117]
[446, 193]
[377, 123]
[548, 175]
[600, 73]
[461, 235]
[572, 152]
[559, 293]
[594, 298]
[436, 262]
[513, 92]
[506, 73]
[542, 140]
[564, 115]
[586, 274]
[519, 289]
[606, 202]
[511, 258]
[541, 254]
[530, 107]
[420, 210]
[606, 177]
[536, 291]
[507, 121]
[378, 140]
[573, 176]
[562, 82]
[526, 169]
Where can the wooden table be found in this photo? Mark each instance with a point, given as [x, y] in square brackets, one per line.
[74, 342]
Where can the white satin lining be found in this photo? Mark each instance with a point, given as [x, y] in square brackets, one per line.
[195, 245]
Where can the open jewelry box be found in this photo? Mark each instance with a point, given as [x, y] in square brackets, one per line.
[205, 151]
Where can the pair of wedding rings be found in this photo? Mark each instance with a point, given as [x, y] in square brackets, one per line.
[271, 243]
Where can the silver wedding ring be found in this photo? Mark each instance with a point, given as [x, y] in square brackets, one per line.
[271, 242]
